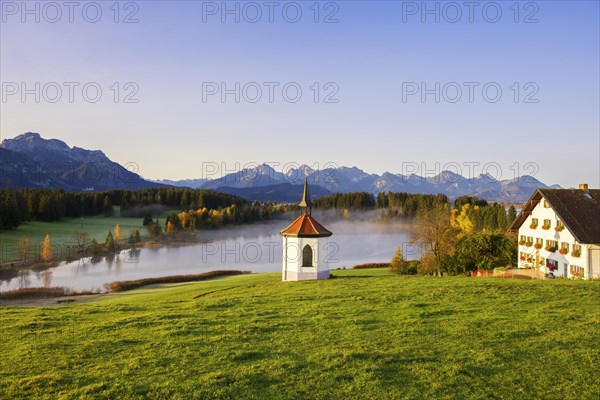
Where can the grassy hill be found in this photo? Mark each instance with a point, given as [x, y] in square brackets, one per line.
[363, 334]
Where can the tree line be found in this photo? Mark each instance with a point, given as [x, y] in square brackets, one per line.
[24, 205]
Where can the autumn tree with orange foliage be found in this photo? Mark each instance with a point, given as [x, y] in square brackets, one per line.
[46, 249]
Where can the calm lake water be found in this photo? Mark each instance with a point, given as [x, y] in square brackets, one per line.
[257, 248]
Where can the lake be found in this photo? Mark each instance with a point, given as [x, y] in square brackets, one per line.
[257, 248]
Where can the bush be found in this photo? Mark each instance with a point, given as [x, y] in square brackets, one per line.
[428, 264]
[401, 265]
[371, 265]
[121, 286]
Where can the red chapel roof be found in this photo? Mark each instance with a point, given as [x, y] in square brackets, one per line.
[305, 226]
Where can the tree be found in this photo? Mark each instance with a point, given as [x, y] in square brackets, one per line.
[107, 207]
[501, 218]
[46, 249]
[109, 243]
[118, 235]
[481, 251]
[435, 234]
[23, 248]
[137, 237]
[147, 220]
[428, 265]
[95, 248]
[82, 239]
[400, 265]
[134, 237]
[170, 228]
[154, 229]
[512, 215]
[463, 220]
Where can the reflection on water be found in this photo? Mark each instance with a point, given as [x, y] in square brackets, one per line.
[257, 248]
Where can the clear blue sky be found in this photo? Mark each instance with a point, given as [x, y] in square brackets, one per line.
[372, 54]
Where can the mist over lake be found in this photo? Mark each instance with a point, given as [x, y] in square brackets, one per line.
[257, 248]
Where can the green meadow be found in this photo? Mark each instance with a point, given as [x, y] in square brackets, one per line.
[364, 334]
[61, 233]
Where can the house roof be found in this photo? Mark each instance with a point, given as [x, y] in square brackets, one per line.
[578, 209]
[305, 226]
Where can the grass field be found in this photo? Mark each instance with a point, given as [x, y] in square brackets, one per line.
[365, 334]
[61, 233]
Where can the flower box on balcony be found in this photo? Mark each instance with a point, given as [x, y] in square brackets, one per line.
[532, 226]
[551, 249]
[563, 251]
[559, 228]
[538, 246]
[521, 243]
[529, 244]
[545, 227]
[576, 253]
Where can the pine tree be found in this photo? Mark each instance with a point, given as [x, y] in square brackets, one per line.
[107, 207]
[137, 237]
[512, 214]
[46, 249]
[399, 265]
[109, 243]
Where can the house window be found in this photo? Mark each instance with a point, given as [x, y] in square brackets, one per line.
[534, 222]
[539, 241]
[523, 238]
[529, 240]
[576, 250]
[547, 224]
[559, 224]
[564, 245]
[307, 256]
[546, 204]
[577, 271]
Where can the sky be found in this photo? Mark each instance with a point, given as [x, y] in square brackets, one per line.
[180, 88]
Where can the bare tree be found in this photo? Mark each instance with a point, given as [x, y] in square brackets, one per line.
[23, 248]
[435, 234]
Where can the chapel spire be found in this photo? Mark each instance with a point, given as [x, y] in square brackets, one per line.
[306, 203]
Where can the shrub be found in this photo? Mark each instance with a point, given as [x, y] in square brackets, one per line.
[121, 286]
[32, 293]
[401, 265]
[428, 264]
[371, 265]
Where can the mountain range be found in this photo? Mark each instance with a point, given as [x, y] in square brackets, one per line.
[29, 160]
[254, 182]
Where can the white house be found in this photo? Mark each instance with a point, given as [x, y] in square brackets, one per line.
[305, 244]
[559, 231]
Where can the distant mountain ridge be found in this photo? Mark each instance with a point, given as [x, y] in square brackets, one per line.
[264, 179]
[29, 160]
